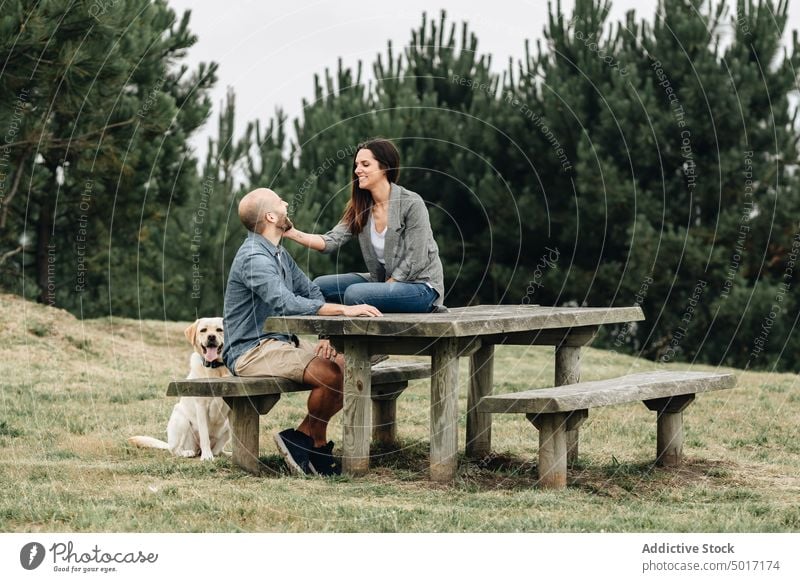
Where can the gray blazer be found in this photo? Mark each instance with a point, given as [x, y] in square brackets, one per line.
[410, 252]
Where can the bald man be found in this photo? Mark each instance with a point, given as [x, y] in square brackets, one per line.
[264, 281]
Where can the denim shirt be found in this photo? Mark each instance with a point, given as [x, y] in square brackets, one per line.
[264, 281]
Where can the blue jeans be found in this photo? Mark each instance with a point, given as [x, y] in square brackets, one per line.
[353, 289]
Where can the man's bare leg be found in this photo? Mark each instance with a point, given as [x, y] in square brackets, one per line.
[326, 397]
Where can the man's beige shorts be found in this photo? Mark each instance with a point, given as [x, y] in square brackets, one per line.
[273, 357]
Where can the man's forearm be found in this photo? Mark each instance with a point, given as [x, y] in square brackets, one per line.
[331, 309]
[312, 241]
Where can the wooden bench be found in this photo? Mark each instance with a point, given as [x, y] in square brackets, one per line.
[554, 411]
[250, 397]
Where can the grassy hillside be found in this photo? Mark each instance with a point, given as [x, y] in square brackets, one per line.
[73, 391]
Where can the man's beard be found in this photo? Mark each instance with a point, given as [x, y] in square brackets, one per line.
[285, 224]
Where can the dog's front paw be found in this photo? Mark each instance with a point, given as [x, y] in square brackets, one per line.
[206, 457]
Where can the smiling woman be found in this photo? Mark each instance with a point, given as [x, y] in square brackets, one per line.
[394, 232]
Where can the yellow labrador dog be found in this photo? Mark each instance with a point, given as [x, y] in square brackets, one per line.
[198, 425]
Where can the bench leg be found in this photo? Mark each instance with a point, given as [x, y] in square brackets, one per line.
[552, 449]
[669, 428]
[479, 424]
[669, 438]
[244, 426]
[384, 421]
[568, 371]
[384, 412]
[444, 410]
[574, 420]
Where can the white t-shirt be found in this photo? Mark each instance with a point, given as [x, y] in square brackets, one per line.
[378, 240]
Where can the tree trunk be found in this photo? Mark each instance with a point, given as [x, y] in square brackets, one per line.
[45, 255]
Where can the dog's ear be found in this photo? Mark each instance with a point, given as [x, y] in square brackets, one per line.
[191, 331]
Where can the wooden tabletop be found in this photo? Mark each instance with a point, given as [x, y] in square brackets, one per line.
[457, 322]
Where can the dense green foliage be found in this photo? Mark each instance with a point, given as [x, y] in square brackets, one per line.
[649, 162]
[96, 149]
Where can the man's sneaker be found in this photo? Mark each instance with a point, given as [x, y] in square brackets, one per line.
[322, 461]
[295, 447]
[377, 359]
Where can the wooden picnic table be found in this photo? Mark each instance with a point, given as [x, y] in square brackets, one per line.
[465, 331]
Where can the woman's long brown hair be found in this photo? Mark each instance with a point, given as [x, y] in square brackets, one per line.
[357, 211]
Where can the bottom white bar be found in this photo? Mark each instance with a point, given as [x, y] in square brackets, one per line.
[389, 557]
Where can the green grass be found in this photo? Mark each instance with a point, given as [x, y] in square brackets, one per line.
[73, 395]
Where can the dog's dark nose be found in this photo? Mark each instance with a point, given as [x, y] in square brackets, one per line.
[212, 340]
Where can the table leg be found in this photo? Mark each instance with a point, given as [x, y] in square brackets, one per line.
[444, 410]
[479, 424]
[568, 371]
[357, 412]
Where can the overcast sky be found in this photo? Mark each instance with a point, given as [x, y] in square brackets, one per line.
[269, 51]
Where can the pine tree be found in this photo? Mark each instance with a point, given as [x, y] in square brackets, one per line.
[684, 187]
[102, 149]
[204, 232]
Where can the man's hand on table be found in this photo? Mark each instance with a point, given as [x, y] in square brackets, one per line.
[361, 311]
[349, 310]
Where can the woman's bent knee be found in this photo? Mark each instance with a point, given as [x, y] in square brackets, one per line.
[354, 296]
